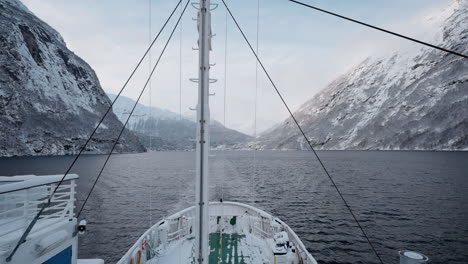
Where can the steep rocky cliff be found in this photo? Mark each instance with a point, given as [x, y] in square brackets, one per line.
[415, 98]
[50, 99]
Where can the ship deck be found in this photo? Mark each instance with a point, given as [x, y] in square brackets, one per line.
[235, 248]
[239, 234]
[224, 248]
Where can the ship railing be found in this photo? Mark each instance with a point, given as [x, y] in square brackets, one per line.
[261, 233]
[179, 226]
[172, 228]
[21, 198]
[176, 235]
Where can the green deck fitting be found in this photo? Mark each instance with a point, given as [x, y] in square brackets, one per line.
[233, 220]
[228, 247]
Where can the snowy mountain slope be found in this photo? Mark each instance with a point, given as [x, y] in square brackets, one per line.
[170, 131]
[50, 99]
[415, 98]
[124, 105]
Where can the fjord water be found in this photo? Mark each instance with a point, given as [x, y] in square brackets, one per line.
[404, 200]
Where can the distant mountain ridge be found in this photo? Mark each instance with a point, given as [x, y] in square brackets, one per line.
[416, 99]
[160, 129]
[50, 99]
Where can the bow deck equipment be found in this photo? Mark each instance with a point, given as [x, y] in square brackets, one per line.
[239, 233]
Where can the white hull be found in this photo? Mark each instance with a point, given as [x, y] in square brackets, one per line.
[246, 232]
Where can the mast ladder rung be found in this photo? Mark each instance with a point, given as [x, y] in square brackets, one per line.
[213, 6]
[196, 80]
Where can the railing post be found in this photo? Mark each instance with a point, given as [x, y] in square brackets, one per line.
[26, 203]
[71, 201]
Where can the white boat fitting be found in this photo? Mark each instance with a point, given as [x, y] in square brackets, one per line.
[238, 233]
[53, 239]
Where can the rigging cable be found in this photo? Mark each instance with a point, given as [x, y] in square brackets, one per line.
[149, 72]
[224, 100]
[149, 110]
[180, 82]
[133, 109]
[49, 199]
[255, 104]
[180, 68]
[303, 134]
[223, 175]
[380, 29]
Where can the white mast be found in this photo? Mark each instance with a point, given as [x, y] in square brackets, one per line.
[203, 133]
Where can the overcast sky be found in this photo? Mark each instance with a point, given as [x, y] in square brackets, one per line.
[302, 49]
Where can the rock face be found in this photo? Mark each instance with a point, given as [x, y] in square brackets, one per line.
[160, 129]
[50, 99]
[415, 99]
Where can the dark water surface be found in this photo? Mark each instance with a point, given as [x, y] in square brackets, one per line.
[404, 200]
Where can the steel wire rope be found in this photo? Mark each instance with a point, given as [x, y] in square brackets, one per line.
[150, 109]
[381, 29]
[224, 98]
[49, 199]
[224, 135]
[180, 86]
[180, 67]
[254, 174]
[133, 109]
[304, 135]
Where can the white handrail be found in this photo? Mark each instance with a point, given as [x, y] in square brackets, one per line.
[22, 196]
[16, 183]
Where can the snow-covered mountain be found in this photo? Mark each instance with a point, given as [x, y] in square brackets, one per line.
[416, 98]
[160, 129]
[50, 99]
[124, 105]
